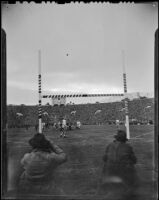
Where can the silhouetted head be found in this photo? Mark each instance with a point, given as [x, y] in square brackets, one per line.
[39, 141]
[121, 136]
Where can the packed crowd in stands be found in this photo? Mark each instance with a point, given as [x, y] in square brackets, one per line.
[141, 111]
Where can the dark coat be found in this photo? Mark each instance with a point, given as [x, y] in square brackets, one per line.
[119, 160]
[39, 167]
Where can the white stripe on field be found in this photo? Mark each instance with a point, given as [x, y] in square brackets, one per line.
[138, 136]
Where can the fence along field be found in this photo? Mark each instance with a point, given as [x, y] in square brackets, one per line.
[80, 175]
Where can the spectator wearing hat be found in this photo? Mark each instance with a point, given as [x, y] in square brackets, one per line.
[119, 160]
[40, 164]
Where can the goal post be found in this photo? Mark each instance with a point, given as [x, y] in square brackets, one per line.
[40, 93]
[125, 99]
[82, 95]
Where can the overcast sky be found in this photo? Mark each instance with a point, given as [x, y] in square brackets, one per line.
[81, 47]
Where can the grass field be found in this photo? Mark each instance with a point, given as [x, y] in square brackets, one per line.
[79, 177]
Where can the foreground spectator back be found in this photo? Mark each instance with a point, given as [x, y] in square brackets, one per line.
[39, 165]
[119, 175]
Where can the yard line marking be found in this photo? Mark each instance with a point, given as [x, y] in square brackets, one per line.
[138, 136]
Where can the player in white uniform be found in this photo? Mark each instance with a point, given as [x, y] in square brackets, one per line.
[78, 124]
[43, 125]
[63, 128]
[117, 123]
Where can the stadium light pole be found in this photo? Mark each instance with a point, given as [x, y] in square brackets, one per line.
[125, 95]
[40, 95]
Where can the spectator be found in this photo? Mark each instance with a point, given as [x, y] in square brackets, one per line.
[119, 161]
[40, 164]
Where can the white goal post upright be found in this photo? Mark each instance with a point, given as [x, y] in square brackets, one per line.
[125, 99]
[40, 93]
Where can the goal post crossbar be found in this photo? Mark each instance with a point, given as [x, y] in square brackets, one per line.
[80, 95]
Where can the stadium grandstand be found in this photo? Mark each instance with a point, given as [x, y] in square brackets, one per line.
[141, 111]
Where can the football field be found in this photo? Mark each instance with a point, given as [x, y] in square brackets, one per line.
[79, 177]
